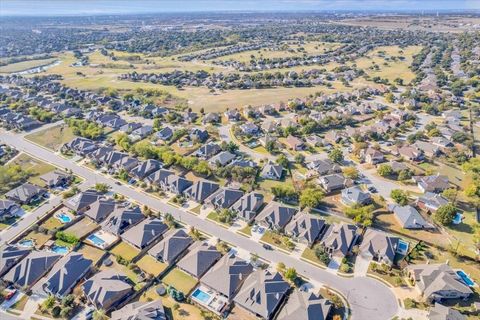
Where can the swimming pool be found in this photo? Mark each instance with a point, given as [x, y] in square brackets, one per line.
[96, 240]
[465, 278]
[458, 218]
[201, 296]
[26, 243]
[60, 249]
[64, 218]
[402, 247]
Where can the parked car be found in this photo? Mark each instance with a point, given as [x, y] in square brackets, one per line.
[372, 189]
[267, 246]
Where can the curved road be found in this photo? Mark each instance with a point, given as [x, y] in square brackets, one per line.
[368, 298]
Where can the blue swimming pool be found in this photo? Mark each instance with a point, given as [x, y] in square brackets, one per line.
[26, 243]
[201, 296]
[465, 278]
[64, 218]
[96, 240]
[60, 249]
[402, 247]
[458, 218]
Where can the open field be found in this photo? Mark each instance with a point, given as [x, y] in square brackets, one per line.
[35, 166]
[52, 138]
[25, 65]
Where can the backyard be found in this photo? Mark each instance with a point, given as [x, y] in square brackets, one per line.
[180, 280]
[151, 266]
[124, 250]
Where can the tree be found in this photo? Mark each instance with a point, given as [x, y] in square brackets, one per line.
[48, 303]
[283, 161]
[351, 172]
[361, 214]
[405, 175]
[281, 267]
[450, 194]
[385, 170]
[102, 187]
[311, 197]
[169, 220]
[299, 158]
[445, 214]
[271, 146]
[399, 196]
[336, 155]
[389, 97]
[291, 274]
[322, 254]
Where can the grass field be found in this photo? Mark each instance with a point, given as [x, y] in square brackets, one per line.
[180, 280]
[125, 251]
[151, 266]
[52, 138]
[35, 166]
[25, 65]
[275, 240]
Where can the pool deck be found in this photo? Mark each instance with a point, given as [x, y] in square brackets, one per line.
[216, 302]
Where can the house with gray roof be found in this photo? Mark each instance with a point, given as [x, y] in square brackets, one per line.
[339, 239]
[272, 171]
[121, 219]
[80, 146]
[223, 198]
[145, 168]
[100, 209]
[441, 312]
[160, 178]
[208, 150]
[355, 196]
[31, 268]
[227, 275]
[173, 244]
[164, 134]
[199, 259]
[248, 206]
[141, 132]
[305, 228]
[176, 184]
[152, 310]
[221, 159]
[200, 190]
[409, 217]
[332, 182]
[64, 275]
[82, 201]
[275, 216]
[431, 202]
[107, 289]
[25, 193]
[379, 246]
[437, 282]
[10, 255]
[55, 178]
[145, 233]
[324, 167]
[306, 306]
[8, 208]
[435, 183]
[262, 293]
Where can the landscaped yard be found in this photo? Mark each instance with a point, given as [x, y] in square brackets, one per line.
[151, 266]
[125, 251]
[180, 280]
[214, 216]
[52, 223]
[39, 237]
[82, 227]
[309, 254]
[275, 239]
[392, 276]
[52, 138]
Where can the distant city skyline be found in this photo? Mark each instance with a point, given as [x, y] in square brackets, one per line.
[104, 7]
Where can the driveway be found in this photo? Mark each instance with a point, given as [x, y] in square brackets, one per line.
[225, 135]
[363, 294]
[361, 266]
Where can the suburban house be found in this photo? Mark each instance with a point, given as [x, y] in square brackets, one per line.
[408, 217]
[122, 219]
[198, 134]
[262, 293]
[107, 289]
[55, 179]
[64, 275]
[224, 198]
[233, 115]
[26, 193]
[173, 244]
[428, 149]
[355, 196]
[275, 216]
[145, 233]
[248, 206]
[141, 310]
[294, 143]
[249, 128]
[410, 153]
[441, 312]
[397, 166]
[211, 117]
[145, 168]
[332, 182]
[81, 202]
[200, 190]
[373, 156]
[339, 239]
[306, 306]
[305, 228]
[208, 150]
[431, 202]
[435, 183]
[80, 146]
[159, 178]
[8, 209]
[437, 282]
[10, 255]
[201, 257]
[227, 275]
[141, 133]
[378, 246]
[313, 140]
[100, 209]
[221, 159]
[164, 134]
[272, 171]
[332, 137]
[31, 268]
[324, 166]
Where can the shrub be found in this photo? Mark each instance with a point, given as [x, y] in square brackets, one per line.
[66, 237]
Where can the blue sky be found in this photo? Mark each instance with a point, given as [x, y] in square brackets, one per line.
[92, 7]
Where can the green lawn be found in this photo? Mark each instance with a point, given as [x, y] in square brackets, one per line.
[52, 138]
[196, 210]
[246, 230]
[392, 276]
[180, 280]
[35, 166]
[214, 216]
[275, 240]
[151, 266]
[309, 254]
[52, 223]
[25, 65]
[125, 251]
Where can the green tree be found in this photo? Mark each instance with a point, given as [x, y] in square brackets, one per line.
[102, 187]
[385, 170]
[283, 161]
[322, 254]
[445, 214]
[299, 158]
[311, 197]
[361, 214]
[336, 155]
[291, 275]
[399, 196]
[351, 172]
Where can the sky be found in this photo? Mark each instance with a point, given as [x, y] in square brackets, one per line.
[99, 7]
